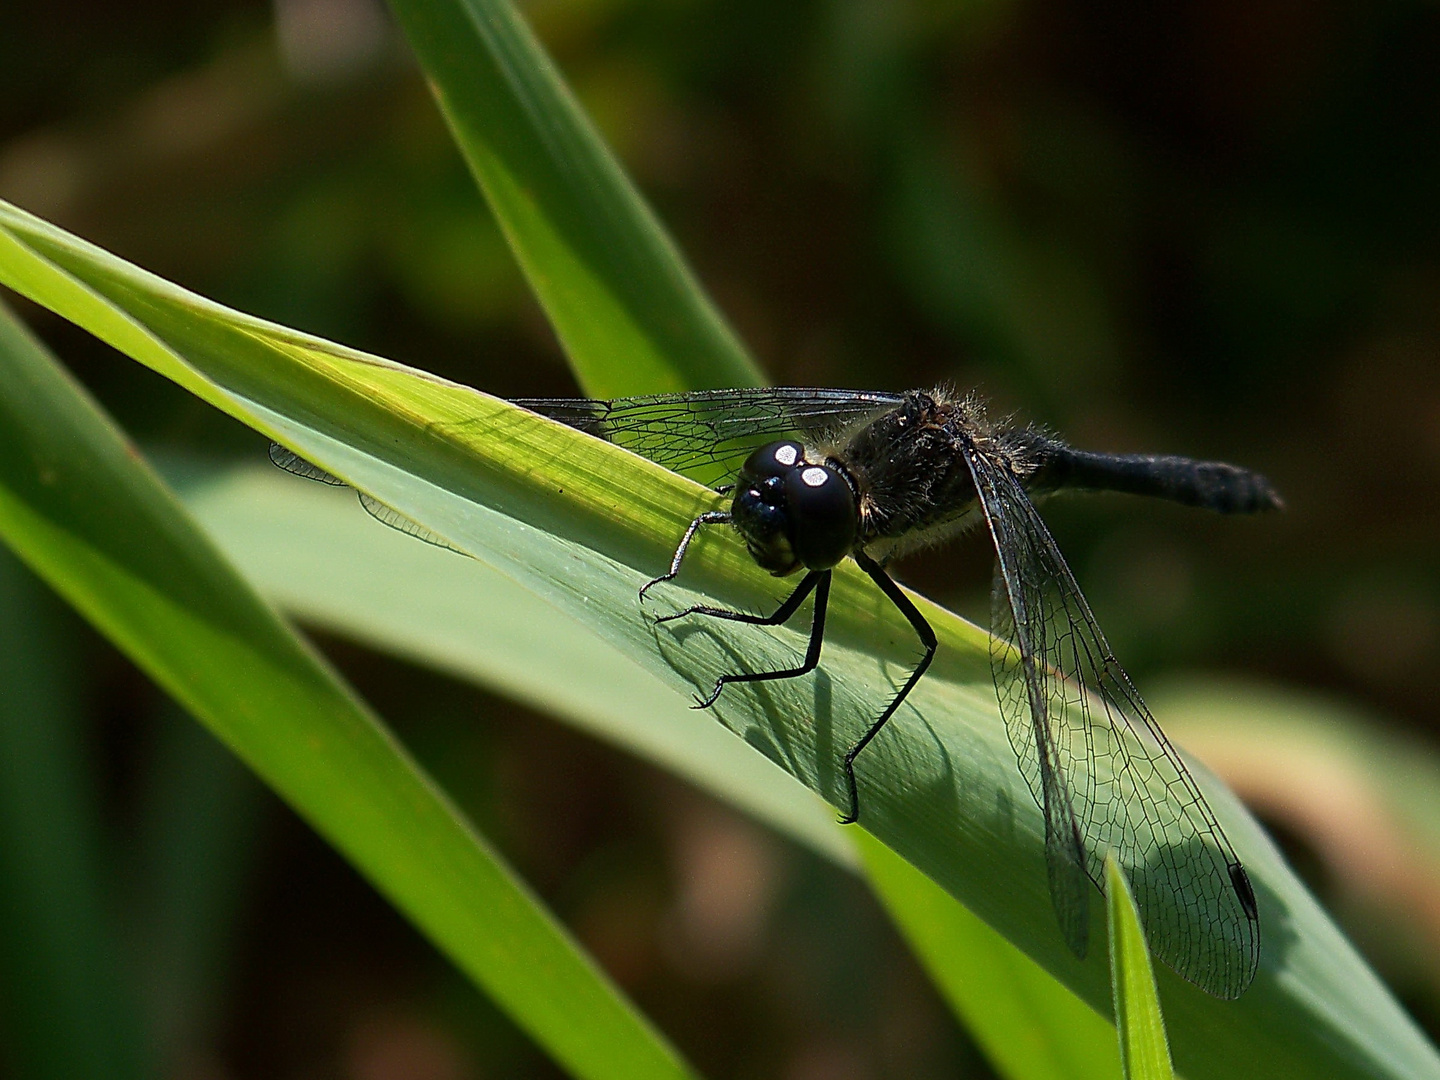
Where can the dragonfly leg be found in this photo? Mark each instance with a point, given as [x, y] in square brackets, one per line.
[711, 517]
[816, 581]
[927, 638]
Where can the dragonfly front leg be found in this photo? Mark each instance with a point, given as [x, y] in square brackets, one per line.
[816, 581]
[712, 517]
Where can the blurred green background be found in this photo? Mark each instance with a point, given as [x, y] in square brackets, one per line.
[1207, 227]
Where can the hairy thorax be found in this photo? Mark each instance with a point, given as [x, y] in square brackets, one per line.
[909, 472]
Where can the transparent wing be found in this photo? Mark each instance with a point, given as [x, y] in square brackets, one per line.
[292, 462]
[708, 434]
[1104, 773]
[384, 513]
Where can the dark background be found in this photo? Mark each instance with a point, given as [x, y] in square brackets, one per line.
[1205, 228]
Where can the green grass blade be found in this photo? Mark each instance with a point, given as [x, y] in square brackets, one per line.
[581, 524]
[626, 308]
[82, 511]
[70, 1009]
[1144, 1050]
[1029, 1025]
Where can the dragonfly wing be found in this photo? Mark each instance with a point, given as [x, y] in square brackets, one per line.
[384, 513]
[708, 434]
[1023, 686]
[1083, 735]
[292, 462]
[388, 515]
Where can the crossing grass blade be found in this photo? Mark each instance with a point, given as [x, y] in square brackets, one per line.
[1144, 1050]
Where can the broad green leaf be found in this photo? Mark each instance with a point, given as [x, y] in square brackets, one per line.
[1028, 1024]
[1144, 1051]
[310, 549]
[581, 524]
[79, 507]
[620, 297]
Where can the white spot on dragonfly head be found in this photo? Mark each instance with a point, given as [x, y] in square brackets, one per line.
[787, 454]
[814, 476]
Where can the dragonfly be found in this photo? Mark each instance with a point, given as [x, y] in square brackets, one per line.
[817, 476]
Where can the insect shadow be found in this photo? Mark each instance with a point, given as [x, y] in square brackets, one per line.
[790, 722]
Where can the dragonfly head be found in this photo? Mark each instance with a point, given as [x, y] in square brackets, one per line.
[792, 512]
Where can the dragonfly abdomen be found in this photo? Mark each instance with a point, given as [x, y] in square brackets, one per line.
[1212, 485]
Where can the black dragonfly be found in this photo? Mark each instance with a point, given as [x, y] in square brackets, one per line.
[815, 476]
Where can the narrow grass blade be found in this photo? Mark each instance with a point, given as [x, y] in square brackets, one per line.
[1144, 1049]
[626, 308]
[81, 510]
[1029, 1025]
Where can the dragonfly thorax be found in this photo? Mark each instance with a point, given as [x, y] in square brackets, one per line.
[791, 512]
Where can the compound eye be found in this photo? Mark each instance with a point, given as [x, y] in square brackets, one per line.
[822, 515]
[772, 459]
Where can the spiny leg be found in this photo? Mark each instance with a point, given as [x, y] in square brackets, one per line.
[710, 517]
[927, 638]
[817, 581]
[782, 613]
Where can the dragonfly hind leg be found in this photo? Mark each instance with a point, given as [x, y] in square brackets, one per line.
[816, 581]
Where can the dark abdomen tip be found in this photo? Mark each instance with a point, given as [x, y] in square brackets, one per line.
[1233, 490]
